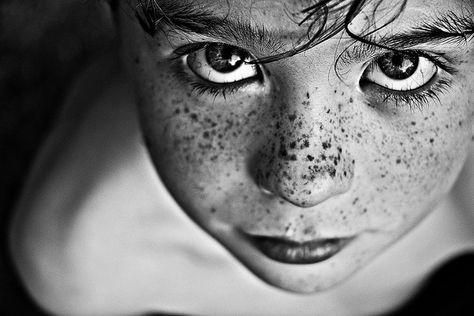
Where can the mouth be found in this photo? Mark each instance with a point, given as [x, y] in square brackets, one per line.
[292, 252]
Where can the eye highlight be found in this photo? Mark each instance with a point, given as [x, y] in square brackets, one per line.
[400, 71]
[220, 63]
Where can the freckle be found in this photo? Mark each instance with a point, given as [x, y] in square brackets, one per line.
[310, 158]
[413, 123]
[292, 117]
[460, 123]
[339, 107]
[213, 210]
[293, 157]
[307, 95]
[326, 145]
[351, 100]
[398, 160]
[323, 157]
[186, 110]
[194, 116]
[137, 60]
[364, 210]
[431, 140]
[292, 145]
[205, 134]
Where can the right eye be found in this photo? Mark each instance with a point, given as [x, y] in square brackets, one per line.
[401, 71]
[221, 63]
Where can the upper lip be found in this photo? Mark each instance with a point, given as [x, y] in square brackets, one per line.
[289, 251]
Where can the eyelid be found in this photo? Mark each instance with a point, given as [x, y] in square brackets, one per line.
[203, 86]
[189, 49]
[359, 53]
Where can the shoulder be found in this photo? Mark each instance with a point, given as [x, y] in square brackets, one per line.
[94, 224]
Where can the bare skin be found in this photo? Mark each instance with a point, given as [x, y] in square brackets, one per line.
[303, 155]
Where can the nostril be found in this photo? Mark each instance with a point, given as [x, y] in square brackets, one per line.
[264, 190]
[263, 184]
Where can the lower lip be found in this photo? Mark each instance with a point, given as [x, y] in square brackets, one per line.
[292, 252]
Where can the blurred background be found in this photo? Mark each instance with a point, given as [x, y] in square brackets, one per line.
[43, 45]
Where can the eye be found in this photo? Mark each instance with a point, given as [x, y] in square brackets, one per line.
[400, 71]
[221, 63]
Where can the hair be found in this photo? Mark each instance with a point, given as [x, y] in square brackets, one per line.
[323, 20]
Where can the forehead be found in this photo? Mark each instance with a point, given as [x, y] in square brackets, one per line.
[293, 18]
[283, 11]
[269, 27]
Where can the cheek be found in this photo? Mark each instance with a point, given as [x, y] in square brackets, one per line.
[413, 157]
[203, 139]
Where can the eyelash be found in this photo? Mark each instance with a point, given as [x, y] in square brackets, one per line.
[418, 98]
[202, 87]
[412, 100]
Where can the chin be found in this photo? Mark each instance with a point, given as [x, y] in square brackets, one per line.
[302, 280]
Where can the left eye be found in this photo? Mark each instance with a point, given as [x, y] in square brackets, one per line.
[222, 63]
[400, 71]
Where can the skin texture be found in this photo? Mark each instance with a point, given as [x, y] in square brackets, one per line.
[304, 154]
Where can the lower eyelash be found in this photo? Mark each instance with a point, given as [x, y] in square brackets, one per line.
[202, 87]
[418, 100]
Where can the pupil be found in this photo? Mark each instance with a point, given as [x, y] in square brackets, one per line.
[224, 58]
[398, 65]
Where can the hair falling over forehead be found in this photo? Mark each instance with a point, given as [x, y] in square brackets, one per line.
[322, 20]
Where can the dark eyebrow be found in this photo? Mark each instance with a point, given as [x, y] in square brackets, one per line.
[183, 16]
[188, 17]
[449, 28]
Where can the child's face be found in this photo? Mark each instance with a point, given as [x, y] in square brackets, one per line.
[303, 175]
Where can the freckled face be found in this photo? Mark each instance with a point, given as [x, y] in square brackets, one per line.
[298, 153]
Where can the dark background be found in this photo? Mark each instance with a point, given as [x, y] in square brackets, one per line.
[43, 45]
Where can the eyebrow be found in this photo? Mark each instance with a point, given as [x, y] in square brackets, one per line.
[448, 28]
[185, 17]
[201, 19]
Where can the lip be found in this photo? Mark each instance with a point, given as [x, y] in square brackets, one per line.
[292, 252]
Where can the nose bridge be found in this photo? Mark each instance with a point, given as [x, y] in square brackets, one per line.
[304, 161]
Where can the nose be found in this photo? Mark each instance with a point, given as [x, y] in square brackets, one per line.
[304, 160]
[307, 176]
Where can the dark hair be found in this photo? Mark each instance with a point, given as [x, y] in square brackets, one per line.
[323, 20]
